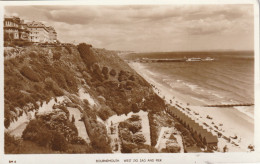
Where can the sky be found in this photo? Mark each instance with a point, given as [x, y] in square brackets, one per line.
[148, 27]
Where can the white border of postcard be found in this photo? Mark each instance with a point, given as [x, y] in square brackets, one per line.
[173, 158]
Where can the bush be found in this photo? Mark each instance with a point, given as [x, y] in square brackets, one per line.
[100, 144]
[71, 82]
[58, 48]
[112, 72]
[132, 78]
[135, 118]
[36, 132]
[29, 74]
[57, 91]
[105, 70]
[6, 121]
[135, 128]
[60, 80]
[105, 113]
[78, 140]
[97, 74]
[56, 56]
[135, 108]
[59, 142]
[127, 147]
[10, 143]
[68, 49]
[139, 139]
[44, 138]
[33, 54]
[86, 54]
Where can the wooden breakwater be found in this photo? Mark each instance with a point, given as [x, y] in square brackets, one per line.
[229, 105]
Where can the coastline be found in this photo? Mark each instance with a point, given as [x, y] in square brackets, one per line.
[229, 121]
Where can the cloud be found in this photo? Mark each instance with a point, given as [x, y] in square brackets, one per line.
[147, 27]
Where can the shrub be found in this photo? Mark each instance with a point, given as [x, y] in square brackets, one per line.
[48, 84]
[6, 121]
[112, 72]
[127, 147]
[29, 74]
[58, 48]
[86, 54]
[60, 80]
[71, 82]
[36, 132]
[78, 140]
[57, 91]
[139, 139]
[73, 119]
[135, 108]
[56, 56]
[100, 143]
[68, 49]
[105, 113]
[33, 54]
[44, 138]
[135, 118]
[59, 142]
[105, 70]
[10, 143]
[132, 78]
[135, 128]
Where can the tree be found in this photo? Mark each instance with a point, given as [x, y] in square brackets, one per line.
[135, 108]
[56, 56]
[112, 72]
[6, 36]
[86, 54]
[58, 142]
[73, 119]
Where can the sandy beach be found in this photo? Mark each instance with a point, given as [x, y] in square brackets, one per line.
[237, 128]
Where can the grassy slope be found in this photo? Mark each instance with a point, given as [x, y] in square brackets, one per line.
[39, 74]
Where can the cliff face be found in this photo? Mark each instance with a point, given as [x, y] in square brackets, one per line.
[45, 82]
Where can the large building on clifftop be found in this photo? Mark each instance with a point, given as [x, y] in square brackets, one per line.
[16, 30]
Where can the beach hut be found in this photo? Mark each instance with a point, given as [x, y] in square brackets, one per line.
[197, 129]
[209, 139]
[189, 123]
[193, 126]
[183, 118]
[177, 114]
[172, 111]
[202, 133]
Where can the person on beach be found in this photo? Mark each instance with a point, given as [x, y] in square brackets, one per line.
[225, 149]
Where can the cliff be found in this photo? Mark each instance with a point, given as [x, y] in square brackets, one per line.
[45, 84]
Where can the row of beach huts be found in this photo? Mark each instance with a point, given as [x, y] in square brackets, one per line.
[206, 137]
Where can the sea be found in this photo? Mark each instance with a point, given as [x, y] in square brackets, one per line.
[228, 78]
